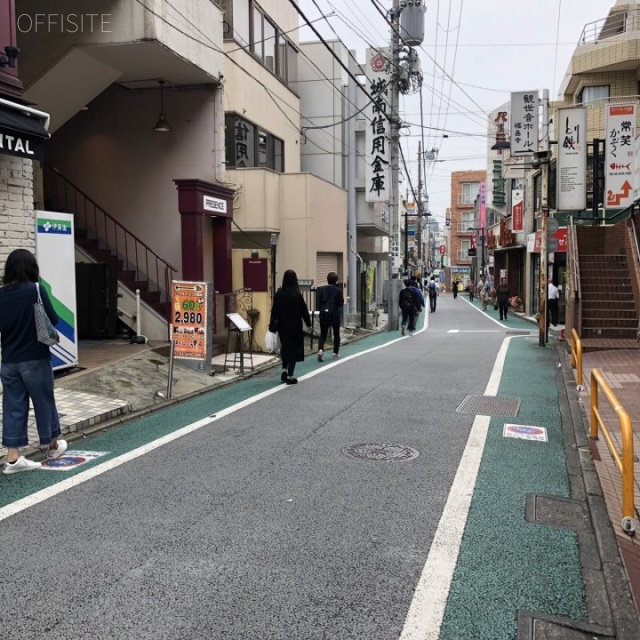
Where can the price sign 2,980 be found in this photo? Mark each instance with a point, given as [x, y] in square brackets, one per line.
[189, 320]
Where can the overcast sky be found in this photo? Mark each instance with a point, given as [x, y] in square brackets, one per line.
[488, 47]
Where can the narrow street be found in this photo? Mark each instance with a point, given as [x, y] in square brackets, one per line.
[250, 512]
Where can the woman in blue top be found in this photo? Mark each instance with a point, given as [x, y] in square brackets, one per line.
[26, 370]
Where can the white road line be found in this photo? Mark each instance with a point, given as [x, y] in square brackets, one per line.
[84, 476]
[426, 612]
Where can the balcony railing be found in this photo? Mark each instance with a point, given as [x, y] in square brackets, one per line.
[613, 25]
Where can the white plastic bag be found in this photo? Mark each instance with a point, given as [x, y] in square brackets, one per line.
[271, 342]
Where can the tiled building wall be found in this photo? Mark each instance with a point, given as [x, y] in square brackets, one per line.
[458, 178]
[17, 225]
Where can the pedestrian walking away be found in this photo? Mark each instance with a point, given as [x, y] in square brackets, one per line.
[408, 303]
[330, 303]
[288, 313]
[419, 296]
[26, 371]
[432, 290]
[553, 295]
[483, 291]
[454, 288]
[503, 293]
[471, 288]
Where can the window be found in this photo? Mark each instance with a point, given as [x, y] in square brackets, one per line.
[469, 192]
[241, 32]
[593, 94]
[257, 37]
[246, 24]
[269, 46]
[251, 146]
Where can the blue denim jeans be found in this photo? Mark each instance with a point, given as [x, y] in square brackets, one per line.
[21, 381]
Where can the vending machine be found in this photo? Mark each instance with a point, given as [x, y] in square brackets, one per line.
[55, 252]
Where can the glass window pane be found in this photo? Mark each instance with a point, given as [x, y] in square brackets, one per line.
[292, 64]
[269, 46]
[282, 58]
[278, 155]
[262, 148]
[258, 35]
[592, 94]
[241, 21]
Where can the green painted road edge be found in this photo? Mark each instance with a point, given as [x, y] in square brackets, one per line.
[506, 563]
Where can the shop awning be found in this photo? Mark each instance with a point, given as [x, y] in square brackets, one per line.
[22, 134]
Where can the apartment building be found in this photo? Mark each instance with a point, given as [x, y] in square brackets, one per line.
[464, 230]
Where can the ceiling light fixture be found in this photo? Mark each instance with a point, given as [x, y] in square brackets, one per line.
[162, 126]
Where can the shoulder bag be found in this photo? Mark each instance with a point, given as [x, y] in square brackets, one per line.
[45, 331]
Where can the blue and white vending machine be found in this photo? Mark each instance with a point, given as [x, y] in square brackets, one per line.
[55, 252]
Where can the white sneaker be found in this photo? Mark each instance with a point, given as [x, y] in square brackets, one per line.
[320, 355]
[52, 454]
[21, 464]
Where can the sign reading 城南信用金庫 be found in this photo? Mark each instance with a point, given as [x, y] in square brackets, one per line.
[378, 131]
[190, 320]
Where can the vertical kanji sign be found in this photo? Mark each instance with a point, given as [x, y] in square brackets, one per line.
[378, 152]
[572, 159]
[619, 155]
[524, 122]
[517, 211]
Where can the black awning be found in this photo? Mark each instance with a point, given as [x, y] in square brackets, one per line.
[21, 134]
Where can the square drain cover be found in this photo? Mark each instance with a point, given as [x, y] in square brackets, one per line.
[490, 406]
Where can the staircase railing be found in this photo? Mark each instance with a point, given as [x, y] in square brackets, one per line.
[136, 256]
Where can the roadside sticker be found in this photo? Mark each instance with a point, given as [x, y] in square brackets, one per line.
[72, 459]
[524, 432]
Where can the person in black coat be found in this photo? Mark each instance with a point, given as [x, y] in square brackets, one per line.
[288, 313]
[330, 303]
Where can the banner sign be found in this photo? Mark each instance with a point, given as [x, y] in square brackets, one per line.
[524, 122]
[560, 236]
[517, 211]
[56, 255]
[378, 130]
[483, 205]
[190, 321]
[572, 159]
[619, 155]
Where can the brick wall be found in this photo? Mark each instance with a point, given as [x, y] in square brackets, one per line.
[458, 178]
[17, 225]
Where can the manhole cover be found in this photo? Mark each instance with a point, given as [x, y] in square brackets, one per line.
[490, 406]
[375, 451]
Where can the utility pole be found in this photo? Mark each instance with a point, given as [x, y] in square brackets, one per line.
[394, 122]
[419, 203]
[352, 292]
[544, 214]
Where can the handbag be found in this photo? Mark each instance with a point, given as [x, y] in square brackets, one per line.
[495, 306]
[44, 329]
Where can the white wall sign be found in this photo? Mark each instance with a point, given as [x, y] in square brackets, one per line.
[619, 155]
[524, 122]
[218, 205]
[572, 159]
[378, 141]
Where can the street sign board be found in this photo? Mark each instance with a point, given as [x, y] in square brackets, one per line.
[619, 155]
[572, 159]
[524, 122]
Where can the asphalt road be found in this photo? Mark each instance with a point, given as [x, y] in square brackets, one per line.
[239, 514]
